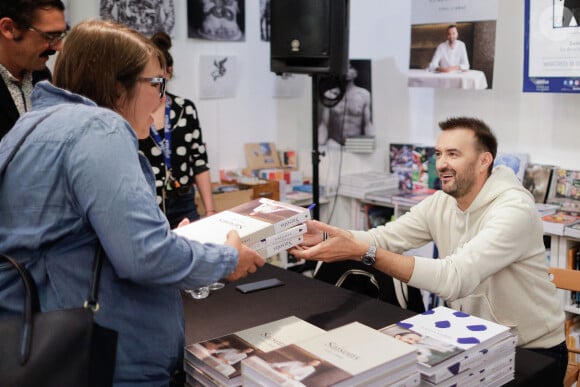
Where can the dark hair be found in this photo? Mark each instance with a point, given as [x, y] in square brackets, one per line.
[22, 11]
[451, 26]
[163, 41]
[98, 55]
[486, 140]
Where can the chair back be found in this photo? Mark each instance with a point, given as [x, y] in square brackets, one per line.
[565, 279]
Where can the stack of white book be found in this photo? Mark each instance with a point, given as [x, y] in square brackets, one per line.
[350, 355]
[358, 185]
[455, 348]
[217, 362]
[359, 144]
[265, 225]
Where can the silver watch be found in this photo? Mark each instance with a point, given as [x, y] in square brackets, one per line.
[370, 256]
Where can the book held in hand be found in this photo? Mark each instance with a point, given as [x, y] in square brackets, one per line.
[219, 358]
[255, 221]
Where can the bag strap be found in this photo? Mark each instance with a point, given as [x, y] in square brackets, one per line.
[32, 303]
[31, 306]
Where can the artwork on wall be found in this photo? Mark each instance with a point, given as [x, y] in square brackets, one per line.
[265, 20]
[216, 20]
[452, 44]
[147, 17]
[351, 115]
[551, 47]
[217, 76]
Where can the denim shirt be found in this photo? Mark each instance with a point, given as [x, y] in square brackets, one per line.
[78, 179]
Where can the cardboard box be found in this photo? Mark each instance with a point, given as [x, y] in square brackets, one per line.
[268, 189]
[261, 155]
[225, 200]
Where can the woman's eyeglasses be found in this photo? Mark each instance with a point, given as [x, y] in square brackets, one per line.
[156, 81]
[51, 37]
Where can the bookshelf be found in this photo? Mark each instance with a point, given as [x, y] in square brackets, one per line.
[560, 249]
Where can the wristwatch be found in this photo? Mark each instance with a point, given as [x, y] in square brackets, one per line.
[370, 256]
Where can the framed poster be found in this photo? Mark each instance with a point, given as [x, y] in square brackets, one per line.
[551, 47]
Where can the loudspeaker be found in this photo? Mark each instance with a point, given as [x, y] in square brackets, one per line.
[309, 36]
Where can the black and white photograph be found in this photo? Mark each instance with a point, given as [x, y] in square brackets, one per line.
[566, 13]
[222, 20]
[146, 16]
[265, 20]
[351, 113]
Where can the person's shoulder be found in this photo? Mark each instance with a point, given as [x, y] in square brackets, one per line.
[180, 101]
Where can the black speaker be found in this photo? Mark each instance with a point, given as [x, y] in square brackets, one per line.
[309, 36]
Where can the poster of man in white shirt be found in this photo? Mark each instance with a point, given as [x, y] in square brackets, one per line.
[451, 55]
[452, 44]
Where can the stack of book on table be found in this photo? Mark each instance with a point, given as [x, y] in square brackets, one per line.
[359, 144]
[217, 362]
[358, 185]
[265, 225]
[572, 231]
[410, 198]
[350, 355]
[455, 348]
[557, 223]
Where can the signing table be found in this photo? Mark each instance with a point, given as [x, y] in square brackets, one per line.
[227, 310]
[470, 79]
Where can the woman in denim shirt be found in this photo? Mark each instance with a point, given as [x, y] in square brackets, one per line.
[78, 180]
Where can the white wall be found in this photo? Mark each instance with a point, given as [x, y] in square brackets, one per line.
[544, 125]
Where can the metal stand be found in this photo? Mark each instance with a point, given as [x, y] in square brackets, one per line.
[315, 153]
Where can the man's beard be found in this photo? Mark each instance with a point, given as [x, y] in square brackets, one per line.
[462, 184]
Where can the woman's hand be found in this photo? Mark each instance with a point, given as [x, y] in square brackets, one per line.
[339, 244]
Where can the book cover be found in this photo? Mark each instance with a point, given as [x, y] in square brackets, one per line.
[475, 337]
[437, 360]
[537, 179]
[345, 356]
[261, 155]
[220, 357]
[518, 162]
[402, 163]
[425, 173]
[458, 328]
[254, 221]
[556, 223]
[565, 191]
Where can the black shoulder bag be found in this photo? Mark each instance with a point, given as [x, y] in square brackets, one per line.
[60, 347]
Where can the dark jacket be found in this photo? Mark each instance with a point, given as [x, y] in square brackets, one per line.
[8, 112]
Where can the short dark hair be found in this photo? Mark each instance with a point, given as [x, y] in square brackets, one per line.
[486, 140]
[451, 26]
[22, 11]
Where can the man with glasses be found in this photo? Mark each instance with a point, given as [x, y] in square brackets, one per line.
[30, 32]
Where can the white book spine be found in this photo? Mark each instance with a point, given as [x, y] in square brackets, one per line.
[281, 236]
[283, 245]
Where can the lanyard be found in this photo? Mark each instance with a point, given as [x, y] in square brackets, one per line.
[164, 143]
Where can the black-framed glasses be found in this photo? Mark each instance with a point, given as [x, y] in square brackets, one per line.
[51, 37]
[156, 81]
